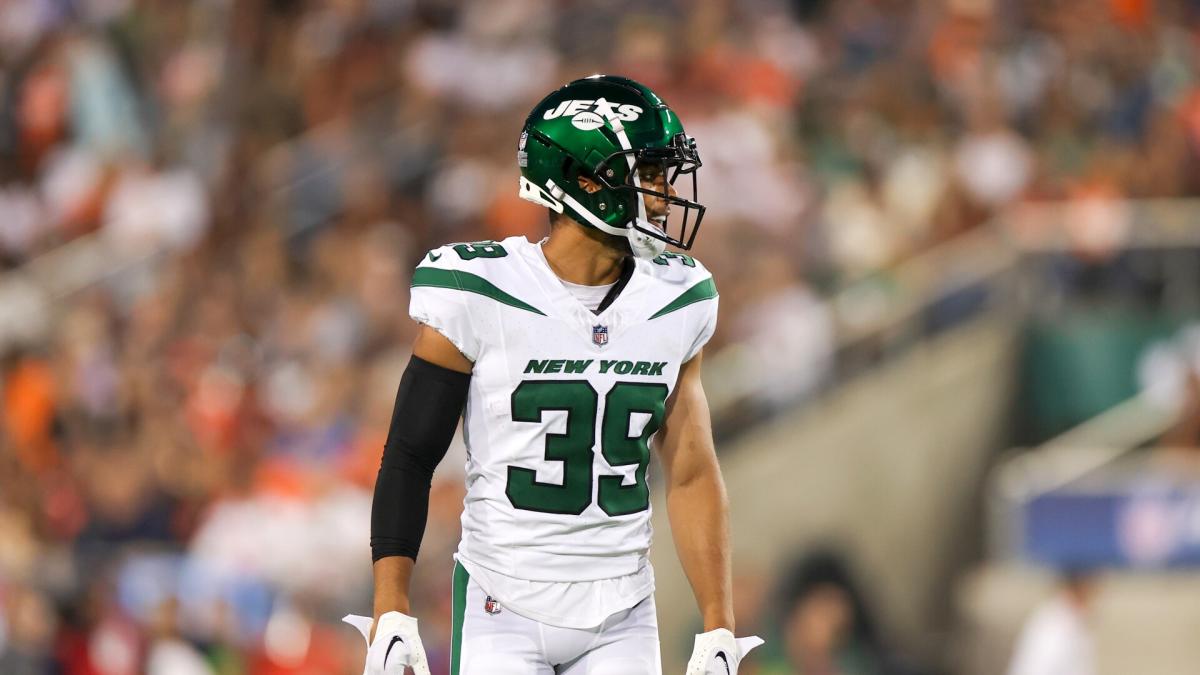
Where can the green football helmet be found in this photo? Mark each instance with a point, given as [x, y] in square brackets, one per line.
[621, 135]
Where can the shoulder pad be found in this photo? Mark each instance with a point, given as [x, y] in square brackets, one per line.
[484, 268]
[681, 281]
[675, 269]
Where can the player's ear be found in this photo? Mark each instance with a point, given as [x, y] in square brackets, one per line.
[590, 186]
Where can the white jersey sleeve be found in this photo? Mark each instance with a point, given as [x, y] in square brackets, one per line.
[705, 317]
[693, 299]
[436, 302]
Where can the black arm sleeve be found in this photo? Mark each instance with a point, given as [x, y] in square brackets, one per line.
[428, 405]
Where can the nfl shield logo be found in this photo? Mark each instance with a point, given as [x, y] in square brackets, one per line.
[491, 606]
[599, 335]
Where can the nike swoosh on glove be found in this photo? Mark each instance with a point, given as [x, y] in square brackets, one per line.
[396, 644]
[717, 652]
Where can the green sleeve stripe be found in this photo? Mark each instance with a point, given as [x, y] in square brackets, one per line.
[458, 609]
[465, 281]
[705, 290]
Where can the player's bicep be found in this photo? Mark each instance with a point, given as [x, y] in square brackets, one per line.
[437, 349]
[686, 445]
[438, 302]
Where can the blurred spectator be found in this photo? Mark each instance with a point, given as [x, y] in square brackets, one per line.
[825, 625]
[1167, 366]
[148, 210]
[169, 653]
[784, 334]
[1057, 639]
[1169, 375]
[27, 626]
[1185, 433]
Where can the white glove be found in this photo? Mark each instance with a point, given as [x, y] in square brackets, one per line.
[396, 644]
[717, 652]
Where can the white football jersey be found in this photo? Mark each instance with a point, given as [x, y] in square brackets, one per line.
[563, 403]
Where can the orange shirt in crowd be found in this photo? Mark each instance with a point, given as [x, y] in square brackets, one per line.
[28, 415]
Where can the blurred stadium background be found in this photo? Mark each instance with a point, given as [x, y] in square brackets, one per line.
[955, 382]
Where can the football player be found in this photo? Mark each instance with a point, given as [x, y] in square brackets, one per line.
[568, 360]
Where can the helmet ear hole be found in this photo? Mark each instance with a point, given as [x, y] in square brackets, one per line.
[588, 184]
[576, 173]
[573, 170]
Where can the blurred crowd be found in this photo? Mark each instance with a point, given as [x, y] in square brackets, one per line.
[188, 443]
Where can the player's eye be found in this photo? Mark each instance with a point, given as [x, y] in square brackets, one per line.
[650, 174]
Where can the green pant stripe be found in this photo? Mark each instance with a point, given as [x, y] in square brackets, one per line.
[458, 608]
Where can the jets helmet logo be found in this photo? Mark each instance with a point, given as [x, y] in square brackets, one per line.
[597, 110]
[587, 121]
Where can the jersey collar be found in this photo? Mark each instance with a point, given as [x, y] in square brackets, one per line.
[624, 304]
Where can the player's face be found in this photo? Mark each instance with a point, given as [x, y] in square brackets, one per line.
[652, 178]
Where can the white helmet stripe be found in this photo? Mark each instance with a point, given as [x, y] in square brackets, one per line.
[623, 139]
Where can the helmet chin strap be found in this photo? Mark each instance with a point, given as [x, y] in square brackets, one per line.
[643, 245]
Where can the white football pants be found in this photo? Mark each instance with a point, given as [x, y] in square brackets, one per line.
[489, 639]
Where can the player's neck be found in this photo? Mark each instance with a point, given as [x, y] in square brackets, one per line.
[580, 259]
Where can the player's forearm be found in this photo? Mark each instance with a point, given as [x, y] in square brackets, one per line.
[392, 576]
[428, 403]
[699, 514]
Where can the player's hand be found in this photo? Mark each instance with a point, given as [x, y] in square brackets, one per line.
[717, 652]
[396, 644]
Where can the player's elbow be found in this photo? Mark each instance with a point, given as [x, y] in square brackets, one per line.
[700, 470]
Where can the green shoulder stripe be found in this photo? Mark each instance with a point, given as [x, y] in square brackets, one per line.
[470, 283]
[705, 290]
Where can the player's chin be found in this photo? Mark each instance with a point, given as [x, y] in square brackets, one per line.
[657, 213]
